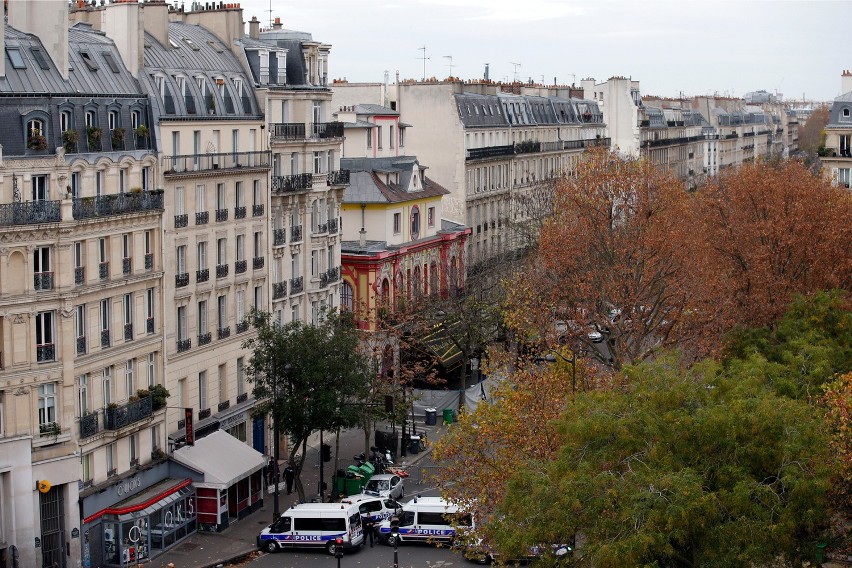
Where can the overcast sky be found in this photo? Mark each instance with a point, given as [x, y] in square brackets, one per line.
[696, 47]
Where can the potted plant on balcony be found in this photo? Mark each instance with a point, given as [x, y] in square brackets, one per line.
[37, 142]
[50, 430]
[141, 131]
[158, 394]
[70, 139]
[117, 137]
[93, 135]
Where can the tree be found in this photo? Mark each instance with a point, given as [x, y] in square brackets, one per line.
[812, 134]
[307, 377]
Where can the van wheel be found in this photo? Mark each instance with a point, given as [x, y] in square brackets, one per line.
[271, 547]
[331, 547]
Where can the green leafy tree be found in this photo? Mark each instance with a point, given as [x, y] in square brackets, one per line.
[308, 377]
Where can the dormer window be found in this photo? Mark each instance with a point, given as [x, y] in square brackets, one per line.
[112, 120]
[16, 58]
[846, 112]
[90, 119]
[87, 59]
[110, 61]
[191, 44]
[38, 55]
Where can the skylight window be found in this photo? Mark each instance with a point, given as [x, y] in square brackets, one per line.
[190, 43]
[217, 47]
[87, 59]
[173, 43]
[38, 55]
[110, 61]
[16, 58]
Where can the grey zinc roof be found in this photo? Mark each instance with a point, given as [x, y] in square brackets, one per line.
[479, 110]
[358, 124]
[836, 118]
[375, 109]
[32, 79]
[542, 110]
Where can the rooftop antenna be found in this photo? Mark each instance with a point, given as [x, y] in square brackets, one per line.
[424, 58]
[270, 14]
[573, 78]
[450, 64]
[516, 66]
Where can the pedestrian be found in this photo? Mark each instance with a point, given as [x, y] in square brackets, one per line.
[289, 472]
[370, 528]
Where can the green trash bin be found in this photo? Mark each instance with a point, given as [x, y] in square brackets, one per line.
[448, 416]
[820, 553]
[339, 483]
[353, 485]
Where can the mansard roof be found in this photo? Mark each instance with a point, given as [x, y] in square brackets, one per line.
[366, 185]
[504, 109]
[840, 115]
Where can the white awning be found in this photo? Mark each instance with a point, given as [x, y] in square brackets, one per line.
[222, 459]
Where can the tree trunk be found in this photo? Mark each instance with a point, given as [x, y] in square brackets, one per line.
[297, 478]
[335, 494]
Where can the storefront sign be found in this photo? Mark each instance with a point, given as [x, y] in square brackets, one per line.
[128, 485]
[231, 421]
[190, 433]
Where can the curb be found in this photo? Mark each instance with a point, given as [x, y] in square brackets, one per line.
[232, 560]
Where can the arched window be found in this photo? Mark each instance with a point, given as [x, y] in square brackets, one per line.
[417, 282]
[36, 134]
[112, 120]
[346, 296]
[846, 112]
[433, 279]
[91, 119]
[454, 279]
[65, 122]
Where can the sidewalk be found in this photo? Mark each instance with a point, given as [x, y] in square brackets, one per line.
[207, 550]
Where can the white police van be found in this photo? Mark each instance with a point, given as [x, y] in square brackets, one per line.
[373, 508]
[426, 519]
[314, 525]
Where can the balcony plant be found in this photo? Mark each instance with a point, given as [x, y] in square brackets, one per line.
[141, 131]
[50, 429]
[37, 142]
[70, 139]
[158, 394]
[93, 135]
[117, 137]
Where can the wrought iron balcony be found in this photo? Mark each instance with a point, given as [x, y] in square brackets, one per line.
[287, 130]
[279, 290]
[181, 221]
[321, 228]
[29, 213]
[184, 345]
[202, 275]
[202, 414]
[295, 234]
[79, 275]
[291, 183]
[221, 270]
[333, 274]
[224, 332]
[181, 279]
[240, 266]
[105, 338]
[149, 261]
[81, 345]
[149, 325]
[191, 163]
[332, 226]
[527, 147]
[257, 262]
[43, 280]
[89, 424]
[323, 280]
[126, 265]
[45, 352]
[257, 210]
[296, 285]
[119, 204]
[118, 417]
[242, 327]
[223, 406]
[103, 270]
[242, 397]
[128, 332]
[338, 177]
[239, 212]
[205, 338]
[326, 130]
[279, 237]
[202, 217]
[221, 215]
[490, 152]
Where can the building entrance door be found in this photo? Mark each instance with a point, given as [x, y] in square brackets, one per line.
[52, 508]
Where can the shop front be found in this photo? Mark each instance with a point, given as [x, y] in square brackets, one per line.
[233, 479]
[139, 517]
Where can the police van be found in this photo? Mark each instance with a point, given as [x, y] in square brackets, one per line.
[314, 525]
[426, 519]
[373, 508]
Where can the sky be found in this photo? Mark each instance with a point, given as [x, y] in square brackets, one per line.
[689, 47]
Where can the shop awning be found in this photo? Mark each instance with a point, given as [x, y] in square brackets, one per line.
[222, 458]
[155, 497]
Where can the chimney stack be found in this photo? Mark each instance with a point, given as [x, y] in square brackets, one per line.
[277, 24]
[486, 72]
[845, 82]
[254, 28]
[155, 18]
[47, 19]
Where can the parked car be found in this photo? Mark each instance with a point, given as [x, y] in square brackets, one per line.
[385, 485]
[373, 507]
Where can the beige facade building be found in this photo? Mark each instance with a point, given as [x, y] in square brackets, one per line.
[837, 163]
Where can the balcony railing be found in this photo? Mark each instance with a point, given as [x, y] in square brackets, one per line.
[295, 234]
[223, 406]
[128, 332]
[190, 163]
[89, 425]
[257, 210]
[490, 152]
[205, 338]
[149, 325]
[105, 338]
[120, 204]
[81, 345]
[184, 345]
[258, 262]
[527, 147]
[205, 413]
[202, 275]
[279, 237]
[202, 217]
[338, 177]
[240, 266]
[45, 352]
[332, 226]
[242, 397]
[79, 275]
[118, 417]
[181, 280]
[126, 265]
[242, 327]
[291, 183]
[326, 130]
[103, 270]
[43, 280]
[279, 290]
[333, 274]
[181, 221]
[321, 228]
[223, 332]
[221, 270]
[221, 215]
[323, 280]
[296, 285]
[29, 213]
[149, 261]
[239, 212]
[287, 130]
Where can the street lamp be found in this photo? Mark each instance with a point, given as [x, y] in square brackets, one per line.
[275, 436]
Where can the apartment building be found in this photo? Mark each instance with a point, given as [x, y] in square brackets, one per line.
[837, 162]
[81, 322]
[290, 72]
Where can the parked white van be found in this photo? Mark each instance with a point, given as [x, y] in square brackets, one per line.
[426, 519]
[314, 525]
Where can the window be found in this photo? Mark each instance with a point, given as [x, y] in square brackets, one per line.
[91, 121]
[241, 306]
[44, 337]
[223, 384]
[294, 163]
[431, 215]
[222, 311]
[129, 386]
[346, 296]
[133, 440]
[112, 120]
[379, 137]
[846, 112]
[134, 120]
[241, 376]
[200, 201]
[330, 165]
[181, 323]
[128, 312]
[294, 312]
[220, 196]
[110, 459]
[65, 120]
[80, 323]
[397, 223]
[258, 297]
[16, 58]
[41, 268]
[152, 375]
[99, 183]
[240, 249]
[75, 185]
[39, 188]
[256, 196]
[222, 251]
[401, 137]
[181, 393]
[314, 263]
[317, 111]
[83, 394]
[415, 222]
[369, 138]
[46, 403]
[87, 59]
[317, 163]
[240, 197]
[87, 468]
[202, 317]
[155, 437]
[202, 255]
[181, 259]
[202, 390]
[180, 202]
[107, 385]
[258, 245]
[390, 136]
